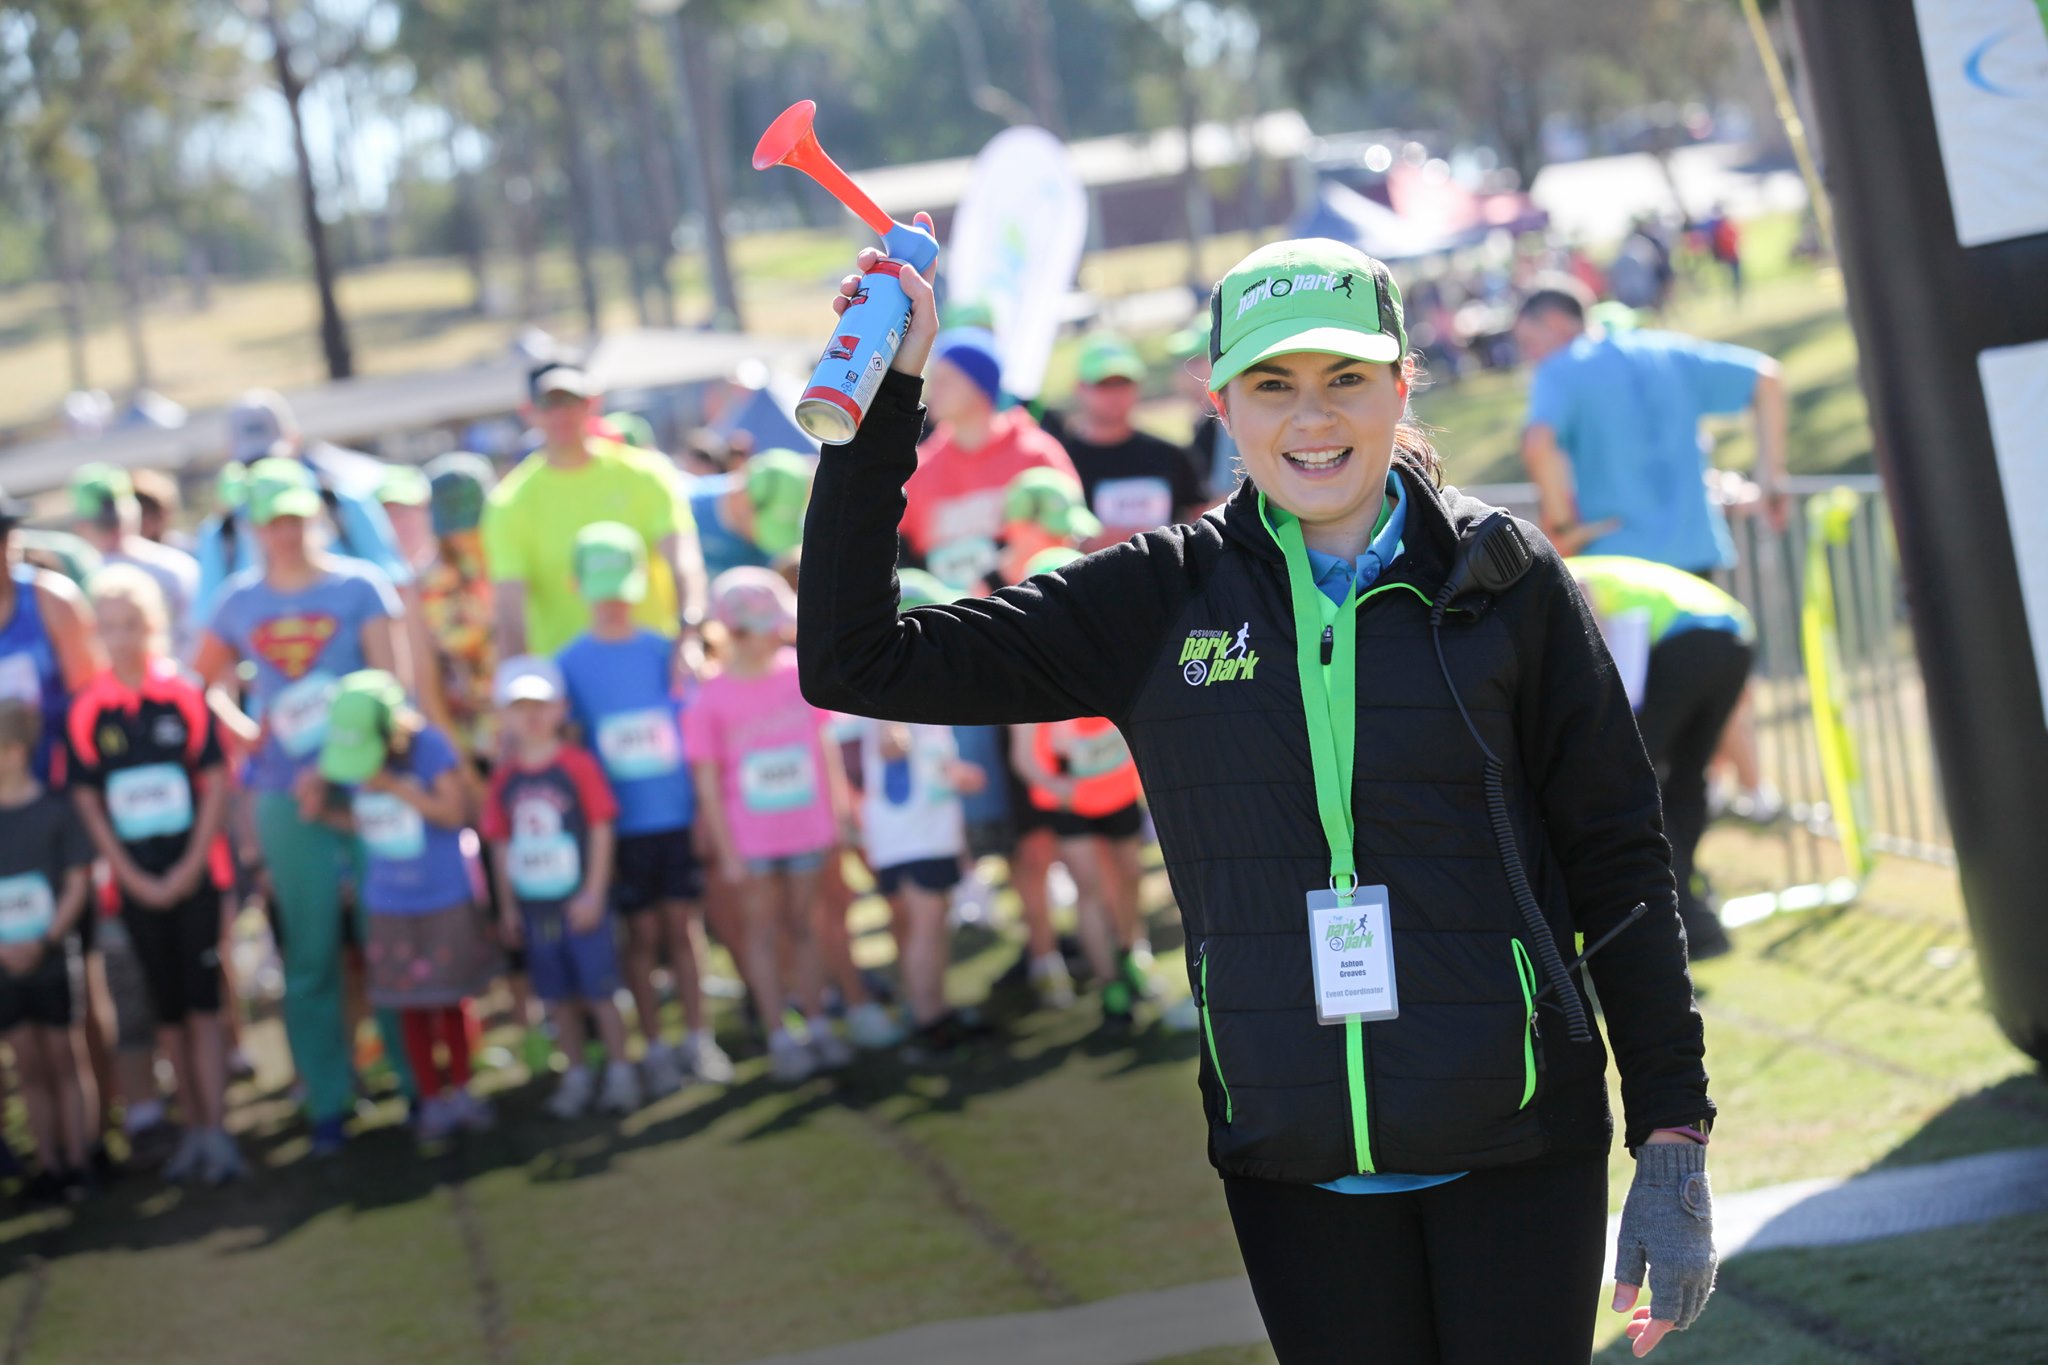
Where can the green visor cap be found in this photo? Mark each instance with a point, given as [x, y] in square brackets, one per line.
[1309, 294]
[779, 486]
[1050, 561]
[99, 491]
[1109, 356]
[231, 485]
[278, 486]
[1050, 499]
[633, 429]
[917, 589]
[404, 486]
[610, 563]
[458, 483]
[359, 726]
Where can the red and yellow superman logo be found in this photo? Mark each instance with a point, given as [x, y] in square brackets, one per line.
[293, 644]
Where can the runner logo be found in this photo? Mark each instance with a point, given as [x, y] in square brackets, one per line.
[1215, 656]
[1280, 286]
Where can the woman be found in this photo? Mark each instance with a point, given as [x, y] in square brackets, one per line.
[1376, 1166]
[304, 620]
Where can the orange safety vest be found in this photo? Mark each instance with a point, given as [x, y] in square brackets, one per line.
[1092, 752]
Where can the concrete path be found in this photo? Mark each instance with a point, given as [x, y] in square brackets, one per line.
[1138, 1328]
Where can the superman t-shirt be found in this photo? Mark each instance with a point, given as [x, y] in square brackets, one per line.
[301, 644]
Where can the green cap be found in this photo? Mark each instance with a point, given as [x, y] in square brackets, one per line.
[610, 563]
[101, 492]
[1047, 561]
[403, 485]
[633, 429]
[231, 486]
[779, 486]
[1309, 294]
[1613, 316]
[278, 486]
[1052, 499]
[457, 484]
[1190, 341]
[967, 313]
[359, 726]
[1106, 355]
[918, 588]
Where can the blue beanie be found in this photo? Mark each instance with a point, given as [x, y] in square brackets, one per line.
[972, 350]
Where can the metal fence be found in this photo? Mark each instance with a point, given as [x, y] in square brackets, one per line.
[1883, 698]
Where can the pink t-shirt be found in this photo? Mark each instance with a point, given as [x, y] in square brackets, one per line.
[767, 742]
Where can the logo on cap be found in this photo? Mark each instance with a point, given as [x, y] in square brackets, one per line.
[1281, 286]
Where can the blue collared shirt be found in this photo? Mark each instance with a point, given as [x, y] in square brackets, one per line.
[1330, 570]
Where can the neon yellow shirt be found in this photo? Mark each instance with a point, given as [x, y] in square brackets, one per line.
[530, 525]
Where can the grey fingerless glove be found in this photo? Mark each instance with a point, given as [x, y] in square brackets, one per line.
[1668, 1223]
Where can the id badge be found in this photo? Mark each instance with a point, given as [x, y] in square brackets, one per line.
[1351, 952]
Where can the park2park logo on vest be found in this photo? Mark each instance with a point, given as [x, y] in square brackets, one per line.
[1218, 656]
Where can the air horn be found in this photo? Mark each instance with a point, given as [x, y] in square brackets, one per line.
[872, 327]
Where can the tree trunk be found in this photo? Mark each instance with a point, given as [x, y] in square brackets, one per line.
[71, 298]
[694, 73]
[661, 202]
[1041, 66]
[333, 332]
[576, 160]
[114, 172]
[515, 171]
[1201, 215]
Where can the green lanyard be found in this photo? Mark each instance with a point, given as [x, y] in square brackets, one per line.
[1329, 694]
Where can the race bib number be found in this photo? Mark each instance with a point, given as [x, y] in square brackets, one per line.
[1137, 503]
[1094, 755]
[640, 744]
[1351, 951]
[19, 680]
[775, 780]
[150, 802]
[964, 563]
[390, 829]
[298, 714]
[545, 868]
[27, 908]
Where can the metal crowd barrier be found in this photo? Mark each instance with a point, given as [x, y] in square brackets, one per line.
[1878, 679]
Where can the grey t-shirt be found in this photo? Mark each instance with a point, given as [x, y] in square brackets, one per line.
[39, 843]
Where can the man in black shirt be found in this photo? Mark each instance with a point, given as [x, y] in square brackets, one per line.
[1134, 481]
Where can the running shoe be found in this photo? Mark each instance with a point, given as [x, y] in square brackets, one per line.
[223, 1159]
[141, 1118]
[578, 1087]
[789, 1061]
[621, 1088]
[1117, 1000]
[473, 1113]
[872, 1029]
[703, 1058]
[240, 1068]
[329, 1136]
[537, 1051]
[440, 1118]
[832, 1051]
[1135, 967]
[664, 1072]
[189, 1160]
[1052, 982]
[936, 1043]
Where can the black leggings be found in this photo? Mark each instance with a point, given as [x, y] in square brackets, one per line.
[1695, 683]
[1499, 1265]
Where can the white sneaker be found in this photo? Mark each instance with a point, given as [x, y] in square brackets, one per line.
[1052, 981]
[621, 1088]
[703, 1058]
[789, 1061]
[185, 1163]
[572, 1097]
[872, 1028]
[664, 1072]
[972, 899]
[473, 1113]
[223, 1158]
[142, 1116]
[828, 1047]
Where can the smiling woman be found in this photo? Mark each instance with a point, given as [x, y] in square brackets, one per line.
[1274, 669]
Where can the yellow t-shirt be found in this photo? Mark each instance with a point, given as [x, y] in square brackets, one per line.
[530, 526]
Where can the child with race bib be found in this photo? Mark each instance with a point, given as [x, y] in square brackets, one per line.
[151, 783]
[915, 832]
[774, 798]
[551, 821]
[302, 620]
[1081, 771]
[624, 686]
[45, 878]
[402, 790]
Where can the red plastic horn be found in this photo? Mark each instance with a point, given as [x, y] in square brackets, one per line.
[792, 141]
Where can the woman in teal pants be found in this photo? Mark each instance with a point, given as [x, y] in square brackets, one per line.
[301, 621]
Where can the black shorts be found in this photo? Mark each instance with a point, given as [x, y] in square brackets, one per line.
[938, 875]
[51, 995]
[180, 953]
[651, 868]
[1118, 824]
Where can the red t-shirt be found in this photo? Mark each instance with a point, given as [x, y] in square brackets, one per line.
[954, 515]
[543, 817]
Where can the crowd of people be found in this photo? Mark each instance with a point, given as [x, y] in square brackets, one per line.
[537, 738]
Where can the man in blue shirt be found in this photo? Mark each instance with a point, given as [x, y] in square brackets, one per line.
[1613, 441]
